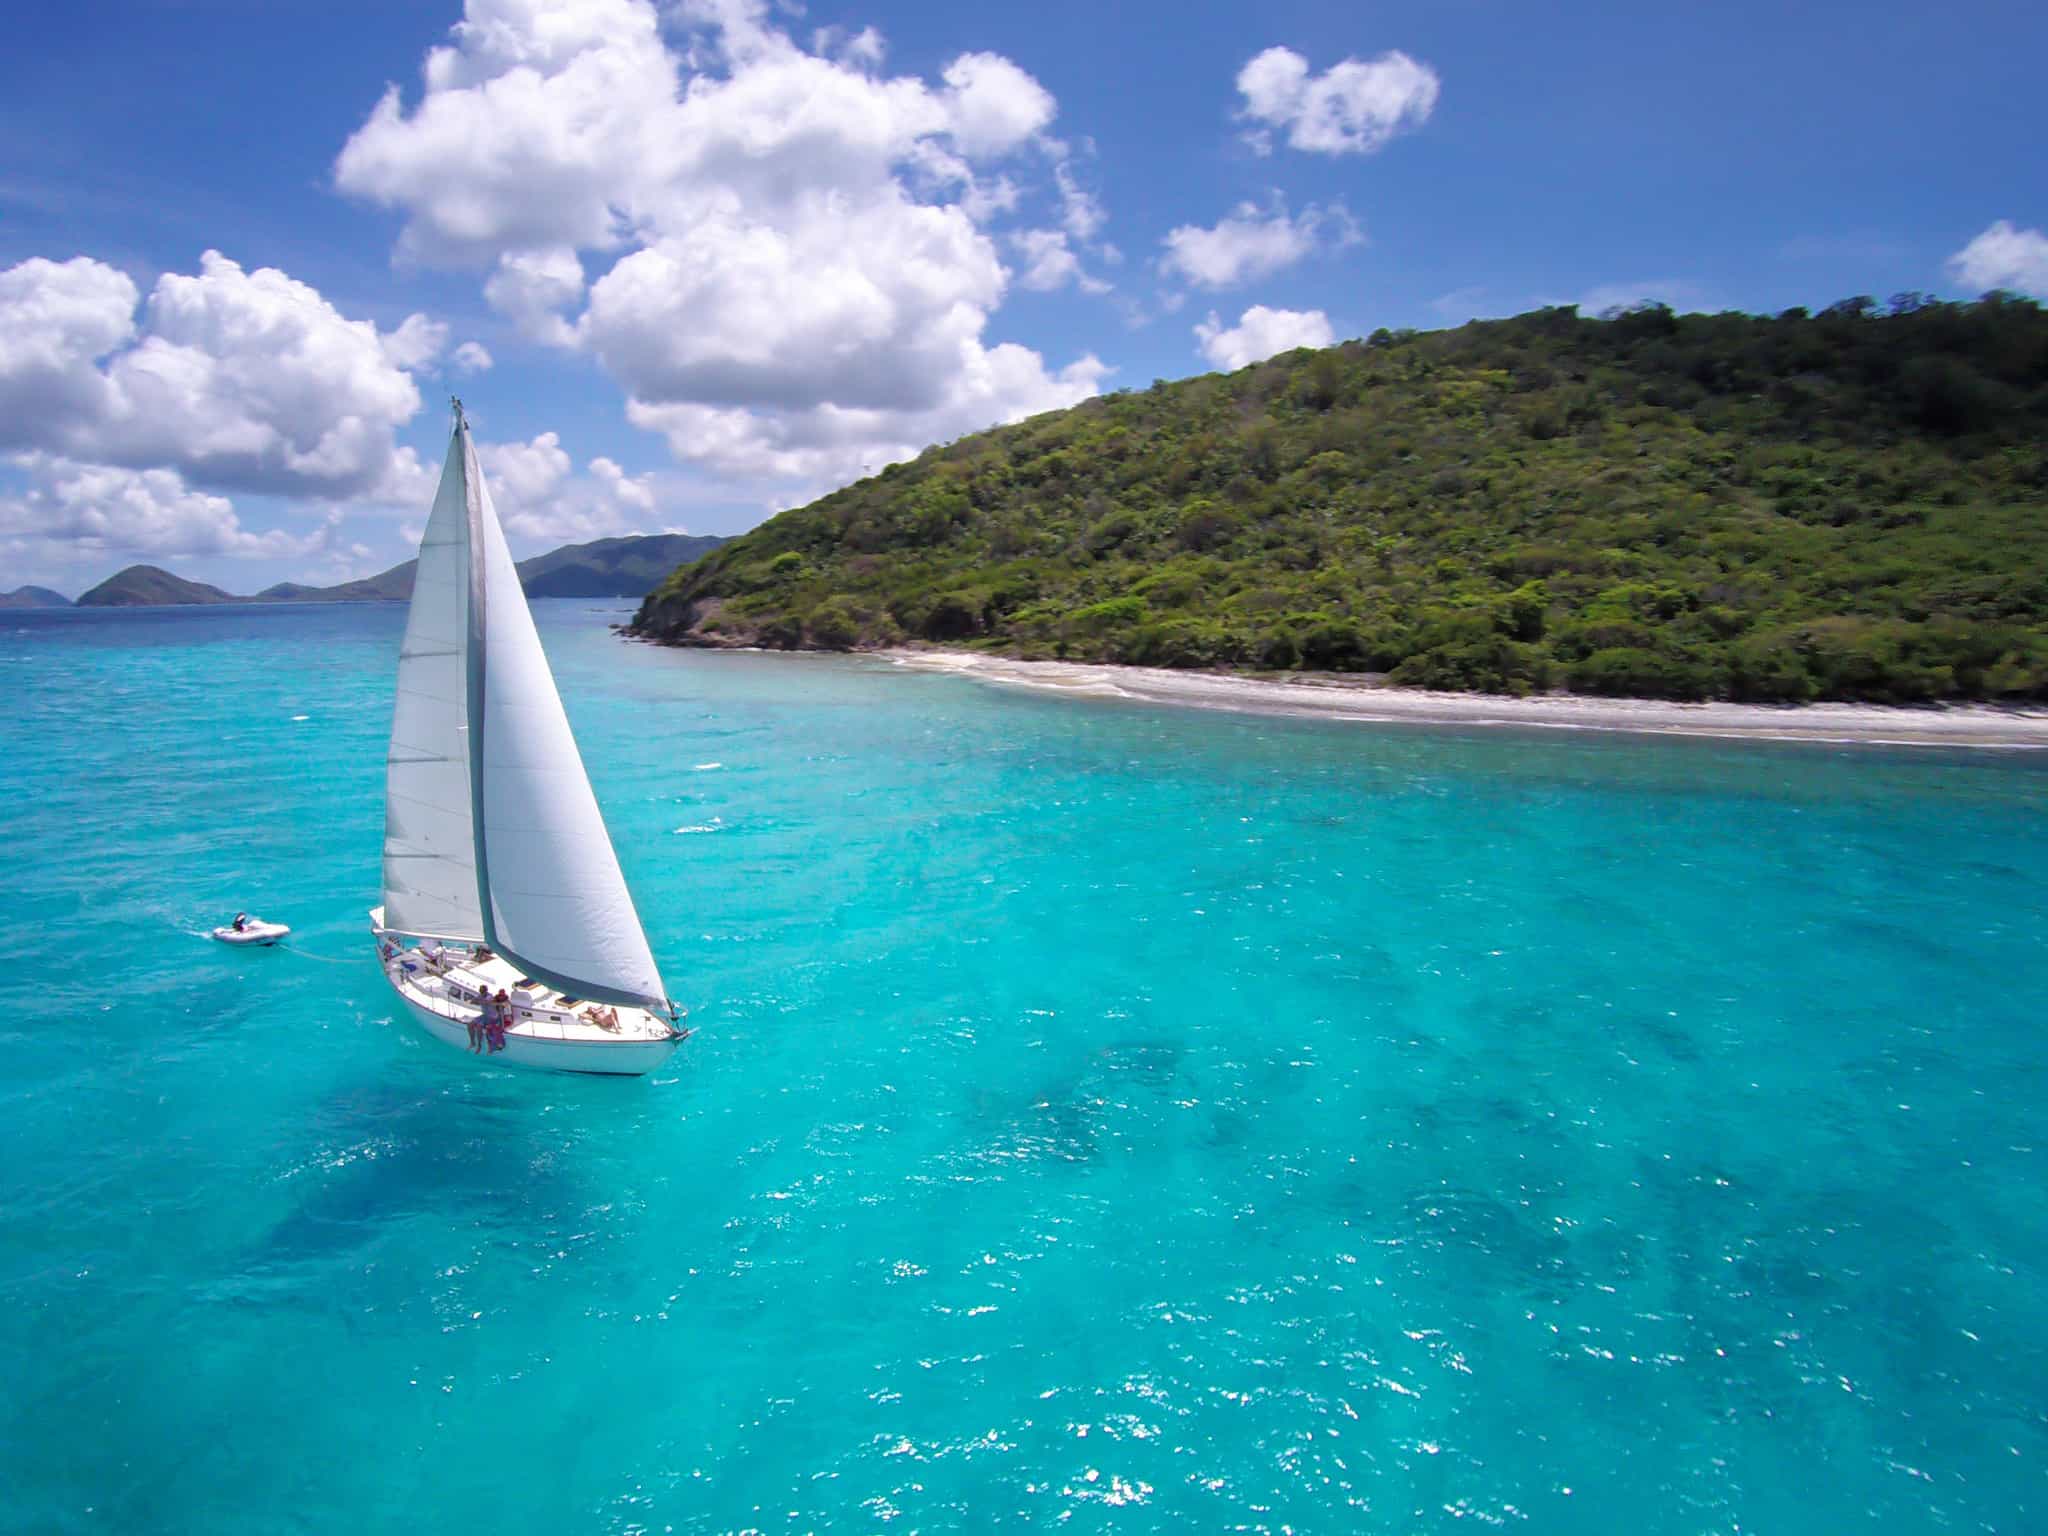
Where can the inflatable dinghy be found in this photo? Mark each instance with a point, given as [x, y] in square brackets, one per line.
[251, 930]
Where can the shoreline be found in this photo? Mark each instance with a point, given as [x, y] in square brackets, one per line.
[1976, 726]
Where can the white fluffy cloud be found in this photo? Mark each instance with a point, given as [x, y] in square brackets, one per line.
[523, 476]
[75, 513]
[131, 422]
[236, 380]
[781, 254]
[57, 319]
[869, 308]
[1353, 107]
[2004, 256]
[992, 106]
[416, 342]
[1260, 333]
[542, 501]
[1250, 244]
[635, 491]
[471, 357]
[533, 124]
[828, 444]
[532, 288]
[1051, 263]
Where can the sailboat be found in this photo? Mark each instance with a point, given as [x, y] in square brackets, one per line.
[506, 928]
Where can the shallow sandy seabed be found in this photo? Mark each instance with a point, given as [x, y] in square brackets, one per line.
[1336, 698]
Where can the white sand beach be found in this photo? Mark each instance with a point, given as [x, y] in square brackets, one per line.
[1350, 698]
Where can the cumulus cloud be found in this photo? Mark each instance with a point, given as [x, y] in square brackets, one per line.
[1249, 244]
[636, 491]
[772, 249]
[133, 422]
[533, 124]
[523, 476]
[416, 342]
[57, 319]
[991, 105]
[829, 444]
[2004, 256]
[532, 288]
[541, 500]
[471, 357]
[72, 513]
[1051, 263]
[1353, 107]
[1260, 333]
[236, 380]
[868, 308]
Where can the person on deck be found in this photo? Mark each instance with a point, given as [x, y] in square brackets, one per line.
[504, 1021]
[476, 1026]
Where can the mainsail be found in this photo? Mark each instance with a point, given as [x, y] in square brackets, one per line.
[543, 884]
[429, 860]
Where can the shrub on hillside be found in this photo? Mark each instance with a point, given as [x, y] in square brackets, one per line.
[1629, 672]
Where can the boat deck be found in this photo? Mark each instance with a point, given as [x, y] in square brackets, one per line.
[453, 984]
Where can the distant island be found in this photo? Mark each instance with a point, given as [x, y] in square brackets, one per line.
[33, 597]
[151, 586]
[630, 566]
[1844, 505]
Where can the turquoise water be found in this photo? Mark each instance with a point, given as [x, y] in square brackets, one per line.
[1099, 1117]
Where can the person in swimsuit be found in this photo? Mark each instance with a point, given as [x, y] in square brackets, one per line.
[476, 1027]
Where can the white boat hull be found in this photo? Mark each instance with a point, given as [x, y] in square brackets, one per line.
[546, 1032]
[604, 1058]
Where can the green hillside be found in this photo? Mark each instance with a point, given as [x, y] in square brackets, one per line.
[33, 597]
[394, 585]
[1852, 504]
[151, 586]
[631, 566]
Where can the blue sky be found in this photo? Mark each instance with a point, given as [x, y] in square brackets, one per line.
[723, 257]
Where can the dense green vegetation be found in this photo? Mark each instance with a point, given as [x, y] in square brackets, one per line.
[1850, 504]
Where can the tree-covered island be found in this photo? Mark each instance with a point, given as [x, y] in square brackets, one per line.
[1850, 505]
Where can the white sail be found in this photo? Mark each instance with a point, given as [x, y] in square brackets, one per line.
[430, 884]
[557, 904]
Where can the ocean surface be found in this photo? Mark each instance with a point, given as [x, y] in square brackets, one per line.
[1100, 1117]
